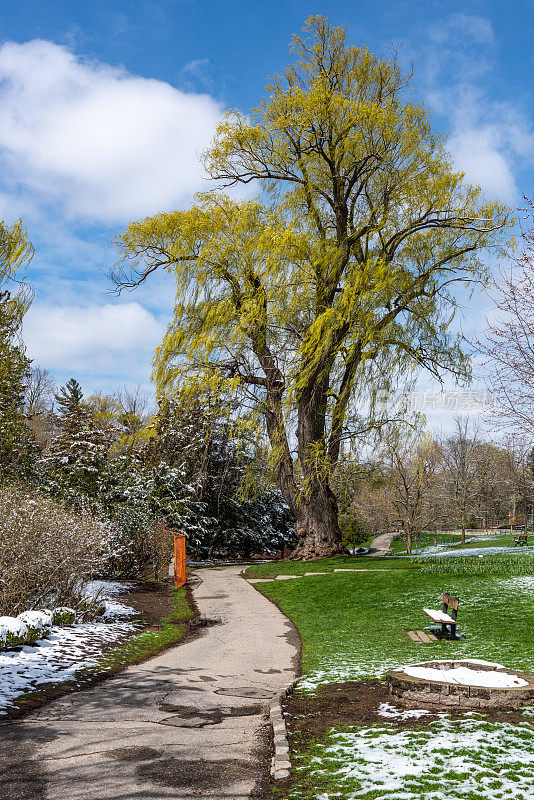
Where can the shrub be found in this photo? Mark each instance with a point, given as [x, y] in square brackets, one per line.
[38, 624]
[13, 632]
[62, 615]
[354, 531]
[46, 552]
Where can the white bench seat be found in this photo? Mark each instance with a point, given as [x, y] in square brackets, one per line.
[439, 616]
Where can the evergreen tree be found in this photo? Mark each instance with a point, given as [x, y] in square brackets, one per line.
[70, 397]
[76, 463]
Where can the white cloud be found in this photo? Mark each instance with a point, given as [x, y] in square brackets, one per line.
[489, 139]
[477, 29]
[112, 339]
[100, 143]
[477, 153]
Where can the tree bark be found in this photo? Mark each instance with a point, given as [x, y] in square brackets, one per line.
[317, 528]
[408, 542]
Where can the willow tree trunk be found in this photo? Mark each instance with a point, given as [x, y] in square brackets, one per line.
[317, 528]
[315, 506]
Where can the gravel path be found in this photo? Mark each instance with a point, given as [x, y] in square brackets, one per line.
[184, 724]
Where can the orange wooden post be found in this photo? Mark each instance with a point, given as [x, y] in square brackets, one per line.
[180, 576]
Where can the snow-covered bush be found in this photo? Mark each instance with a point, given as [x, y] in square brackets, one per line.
[30, 626]
[38, 624]
[46, 551]
[13, 632]
[63, 615]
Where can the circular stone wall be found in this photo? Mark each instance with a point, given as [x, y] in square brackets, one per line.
[422, 692]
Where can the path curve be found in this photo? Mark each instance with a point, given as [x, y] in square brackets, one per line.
[381, 545]
[187, 723]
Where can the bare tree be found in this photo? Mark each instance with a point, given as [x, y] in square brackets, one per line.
[39, 392]
[521, 478]
[459, 455]
[412, 465]
[133, 410]
[509, 343]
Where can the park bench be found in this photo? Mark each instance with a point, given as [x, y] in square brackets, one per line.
[443, 617]
[520, 539]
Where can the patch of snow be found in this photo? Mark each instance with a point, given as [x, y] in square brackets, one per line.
[462, 760]
[474, 551]
[438, 616]
[115, 609]
[482, 663]
[12, 625]
[106, 589]
[57, 658]
[36, 619]
[467, 677]
[387, 710]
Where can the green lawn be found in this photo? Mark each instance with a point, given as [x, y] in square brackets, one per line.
[353, 625]
[274, 568]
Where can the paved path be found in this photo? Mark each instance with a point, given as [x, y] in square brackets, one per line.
[381, 544]
[184, 724]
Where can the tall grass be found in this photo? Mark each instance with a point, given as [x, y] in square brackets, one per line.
[478, 565]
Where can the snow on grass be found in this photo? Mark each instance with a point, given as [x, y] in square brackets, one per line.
[471, 759]
[57, 658]
[474, 551]
[387, 710]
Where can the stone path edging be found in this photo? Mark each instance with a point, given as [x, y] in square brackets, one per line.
[281, 764]
[308, 574]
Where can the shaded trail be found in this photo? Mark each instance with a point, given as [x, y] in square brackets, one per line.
[184, 724]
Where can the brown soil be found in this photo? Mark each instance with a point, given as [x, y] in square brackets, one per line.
[356, 703]
[152, 599]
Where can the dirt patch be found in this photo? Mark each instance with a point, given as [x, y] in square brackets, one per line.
[356, 704]
[151, 599]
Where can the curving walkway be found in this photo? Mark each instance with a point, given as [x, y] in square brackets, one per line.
[187, 723]
[380, 546]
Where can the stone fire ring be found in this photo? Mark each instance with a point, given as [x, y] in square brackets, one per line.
[415, 692]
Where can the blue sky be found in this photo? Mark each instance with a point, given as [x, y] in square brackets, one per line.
[104, 107]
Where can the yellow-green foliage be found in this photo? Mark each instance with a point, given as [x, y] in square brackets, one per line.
[337, 276]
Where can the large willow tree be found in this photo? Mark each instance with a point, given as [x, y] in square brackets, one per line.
[16, 253]
[337, 277]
